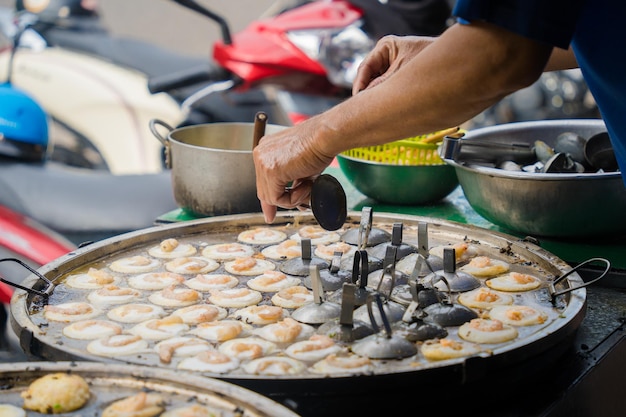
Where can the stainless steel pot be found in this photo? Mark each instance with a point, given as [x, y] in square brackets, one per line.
[212, 167]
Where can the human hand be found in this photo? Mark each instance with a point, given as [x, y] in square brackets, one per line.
[292, 156]
[389, 54]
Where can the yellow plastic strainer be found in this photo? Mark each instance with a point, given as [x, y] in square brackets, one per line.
[417, 150]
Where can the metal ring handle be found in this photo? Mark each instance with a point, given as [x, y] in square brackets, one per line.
[554, 293]
[49, 284]
[153, 128]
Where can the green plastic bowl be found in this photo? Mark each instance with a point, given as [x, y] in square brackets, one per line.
[399, 184]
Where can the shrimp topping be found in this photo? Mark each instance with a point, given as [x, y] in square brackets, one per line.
[168, 245]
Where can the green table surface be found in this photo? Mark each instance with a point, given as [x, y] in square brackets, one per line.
[456, 208]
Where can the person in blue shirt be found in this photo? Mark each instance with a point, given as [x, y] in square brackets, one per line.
[411, 85]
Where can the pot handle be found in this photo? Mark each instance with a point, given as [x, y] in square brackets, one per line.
[155, 132]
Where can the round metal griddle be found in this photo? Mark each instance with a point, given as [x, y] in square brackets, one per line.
[112, 382]
[40, 340]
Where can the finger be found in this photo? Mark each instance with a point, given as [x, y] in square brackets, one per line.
[269, 212]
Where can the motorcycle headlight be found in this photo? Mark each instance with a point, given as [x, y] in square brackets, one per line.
[339, 51]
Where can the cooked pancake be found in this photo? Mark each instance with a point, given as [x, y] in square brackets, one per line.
[91, 280]
[484, 298]
[134, 265]
[441, 349]
[248, 266]
[262, 236]
[180, 346]
[200, 313]
[227, 251]
[487, 331]
[192, 265]
[260, 314]
[273, 281]
[219, 331]
[327, 252]
[285, 331]
[174, 296]
[274, 366]
[317, 234]
[293, 297]
[159, 329]
[342, 364]
[463, 251]
[8, 410]
[518, 315]
[154, 280]
[69, 312]
[56, 393]
[235, 297]
[112, 294]
[118, 345]
[316, 348]
[514, 282]
[143, 404]
[91, 329]
[195, 410]
[485, 267]
[247, 348]
[210, 361]
[135, 313]
[288, 249]
[208, 282]
[171, 248]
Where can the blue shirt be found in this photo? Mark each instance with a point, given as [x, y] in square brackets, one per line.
[596, 30]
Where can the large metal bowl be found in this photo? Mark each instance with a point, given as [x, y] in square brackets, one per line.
[399, 184]
[549, 205]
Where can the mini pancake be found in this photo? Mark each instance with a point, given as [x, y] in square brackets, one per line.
[342, 364]
[154, 280]
[135, 313]
[273, 281]
[441, 349]
[112, 294]
[8, 410]
[91, 329]
[514, 282]
[180, 346]
[194, 410]
[142, 404]
[70, 312]
[274, 366]
[59, 392]
[484, 298]
[288, 249]
[248, 266]
[487, 331]
[463, 251]
[200, 313]
[209, 361]
[172, 248]
[316, 348]
[285, 331]
[327, 252]
[518, 315]
[293, 297]
[260, 314]
[317, 234]
[247, 348]
[192, 265]
[174, 296]
[91, 280]
[235, 297]
[134, 265]
[118, 345]
[262, 236]
[208, 282]
[227, 251]
[485, 267]
[159, 329]
[219, 331]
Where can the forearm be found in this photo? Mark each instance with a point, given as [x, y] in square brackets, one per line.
[467, 69]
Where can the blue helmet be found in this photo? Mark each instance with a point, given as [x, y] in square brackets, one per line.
[23, 125]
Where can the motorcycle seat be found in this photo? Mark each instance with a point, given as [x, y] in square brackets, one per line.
[82, 204]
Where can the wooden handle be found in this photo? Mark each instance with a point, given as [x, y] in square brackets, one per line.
[260, 120]
[438, 137]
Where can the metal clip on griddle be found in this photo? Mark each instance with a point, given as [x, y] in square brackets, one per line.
[46, 291]
[485, 152]
[552, 286]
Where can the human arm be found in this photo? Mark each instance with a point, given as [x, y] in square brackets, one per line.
[464, 71]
